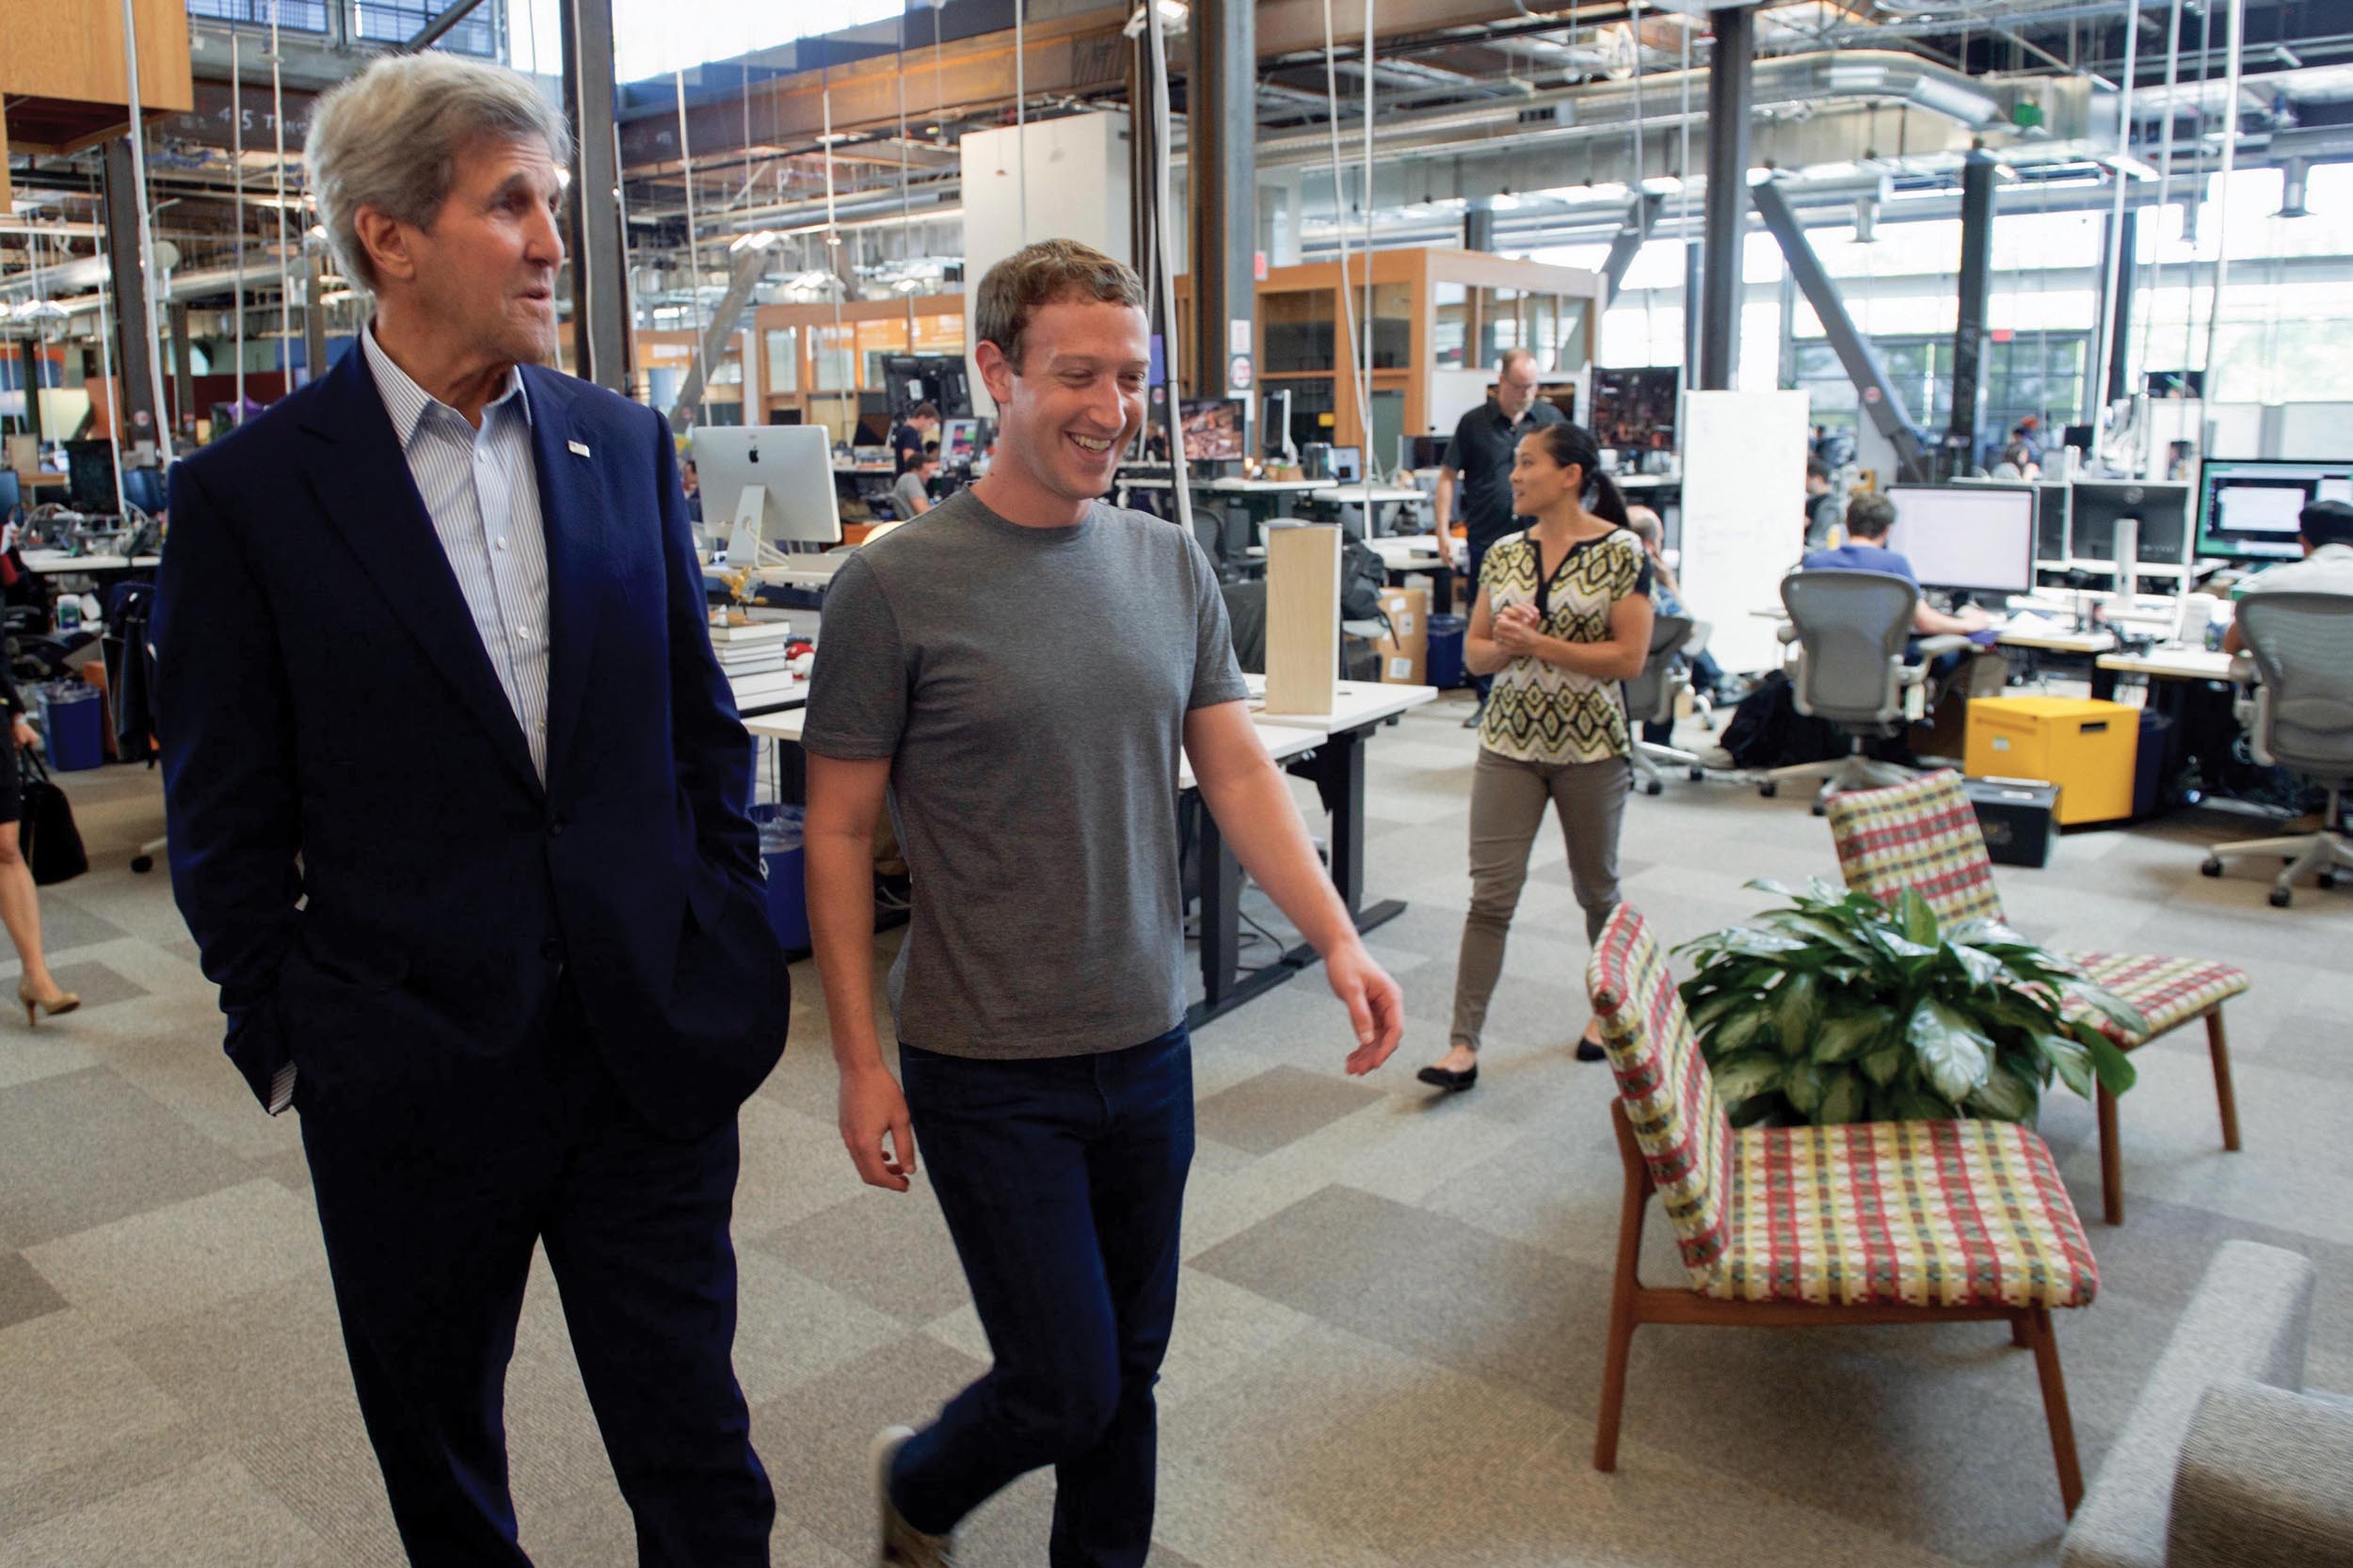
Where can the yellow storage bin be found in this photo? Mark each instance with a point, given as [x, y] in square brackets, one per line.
[2087, 748]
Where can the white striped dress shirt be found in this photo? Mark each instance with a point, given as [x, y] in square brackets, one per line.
[482, 493]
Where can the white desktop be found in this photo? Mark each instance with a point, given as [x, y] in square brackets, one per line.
[766, 484]
[1977, 538]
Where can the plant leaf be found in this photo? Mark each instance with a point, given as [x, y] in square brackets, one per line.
[1843, 1037]
[1980, 932]
[2006, 1096]
[2114, 1069]
[1843, 1101]
[1705, 1013]
[1749, 942]
[1955, 1055]
[1741, 1029]
[1881, 1066]
[1982, 968]
[1917, 920]
[2071, 1057]
[1805, 1084]
[2115, 1008]
[1744, 1078]
[1918, 1105]
[1767, 885]
[1797, 1007]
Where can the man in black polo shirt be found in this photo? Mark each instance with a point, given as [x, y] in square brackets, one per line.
[1478, 461]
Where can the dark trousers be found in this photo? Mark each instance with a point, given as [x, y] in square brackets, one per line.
[431, 1204]
[1480, 683]
[1062, 1181]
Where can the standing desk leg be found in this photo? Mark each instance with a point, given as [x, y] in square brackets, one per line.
[1338, 768]
[1224, 985]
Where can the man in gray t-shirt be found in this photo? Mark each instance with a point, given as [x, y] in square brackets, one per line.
[1017, 677]
[912, 494]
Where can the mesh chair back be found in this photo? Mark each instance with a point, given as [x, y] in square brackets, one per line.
[1852, 626]
[2302, 644]
[11, 495]
[1650, 696]
[1669, 1093]
[143, 488]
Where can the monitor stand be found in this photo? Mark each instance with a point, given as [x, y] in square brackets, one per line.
[745, 546]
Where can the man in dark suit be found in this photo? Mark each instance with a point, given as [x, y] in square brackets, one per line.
[457, 811]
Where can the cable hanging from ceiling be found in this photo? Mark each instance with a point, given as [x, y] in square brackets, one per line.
[1180, 488]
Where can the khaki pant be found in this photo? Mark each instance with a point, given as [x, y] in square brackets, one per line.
[1507, 801]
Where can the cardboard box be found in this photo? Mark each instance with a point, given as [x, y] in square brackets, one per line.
[1405, 652]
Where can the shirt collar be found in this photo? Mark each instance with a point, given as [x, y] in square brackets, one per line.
[406, 401]
[2340, 553]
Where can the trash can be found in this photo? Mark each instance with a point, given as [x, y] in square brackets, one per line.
[1446, 649]
[73, 725]
[2151, 764]
[785, 861]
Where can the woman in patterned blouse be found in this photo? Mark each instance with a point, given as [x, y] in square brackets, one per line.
[1562, 618]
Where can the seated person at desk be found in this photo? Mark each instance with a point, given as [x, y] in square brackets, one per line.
[691, 481]
[1821, 505]
[912, 494]
[1666, 597]
[1868, 518]
[2326, 528]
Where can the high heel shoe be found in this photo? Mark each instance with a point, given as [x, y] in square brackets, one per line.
[64, 1001]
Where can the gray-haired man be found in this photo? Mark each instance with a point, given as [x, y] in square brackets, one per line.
[456, 800]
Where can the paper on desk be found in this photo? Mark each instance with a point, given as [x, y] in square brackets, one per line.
[2032, 624]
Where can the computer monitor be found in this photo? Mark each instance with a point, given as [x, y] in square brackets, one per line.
[1347, 464]
[89, 468]
[2254, 510]
[2161, 508]
[1633, 410]
[1212, 429]
[1426, 451]
[959, 441]
[764, 483]
[1980, 538]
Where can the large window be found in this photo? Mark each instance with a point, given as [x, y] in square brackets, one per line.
[2034, 373]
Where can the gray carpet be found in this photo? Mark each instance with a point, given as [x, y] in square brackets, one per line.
[1388, 1351]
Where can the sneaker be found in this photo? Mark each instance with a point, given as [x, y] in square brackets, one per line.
[901, 1544]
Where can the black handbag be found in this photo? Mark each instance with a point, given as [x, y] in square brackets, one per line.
[51, 844]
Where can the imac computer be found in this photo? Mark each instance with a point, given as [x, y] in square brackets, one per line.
[1212, 429]
[1975, 538]
[1347, 464]
[764, 483]
[2157, 508]
[2252, 510]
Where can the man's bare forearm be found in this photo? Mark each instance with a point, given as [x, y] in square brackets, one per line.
[841, 930]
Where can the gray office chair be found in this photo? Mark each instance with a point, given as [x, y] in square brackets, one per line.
[1651, 697]
[2301, 719]
[1850, 628]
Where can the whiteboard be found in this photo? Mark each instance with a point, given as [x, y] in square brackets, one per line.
[2314, 432]
[1744, 514]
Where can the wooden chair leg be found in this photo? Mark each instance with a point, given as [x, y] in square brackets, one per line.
[2111, 1161]
[1622, 1291]
[1613, 1388]
[2219, 1046]
[2018, 1335]
[2046, 1366]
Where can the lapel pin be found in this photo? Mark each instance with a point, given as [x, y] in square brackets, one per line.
[579, 448]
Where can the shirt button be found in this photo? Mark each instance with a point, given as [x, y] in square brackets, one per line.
[524, 633]
[502, 544]
[481, 456]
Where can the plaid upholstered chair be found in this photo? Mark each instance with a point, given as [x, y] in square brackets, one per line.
[1923, 834]
[1782, 1227]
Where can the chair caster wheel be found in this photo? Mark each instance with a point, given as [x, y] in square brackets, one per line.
[2327, 879]
[1698, 775]
[2210, 868]
[2279, 897]
[1769, 791]
[1654, 788]
[1820, 809]
[143, 864]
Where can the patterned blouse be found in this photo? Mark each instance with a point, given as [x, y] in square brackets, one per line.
[1538, 711]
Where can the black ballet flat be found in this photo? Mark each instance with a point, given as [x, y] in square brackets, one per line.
[1452, 1082]
[1589, 1049]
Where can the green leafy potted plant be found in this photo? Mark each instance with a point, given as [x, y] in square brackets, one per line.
[1840, 1009]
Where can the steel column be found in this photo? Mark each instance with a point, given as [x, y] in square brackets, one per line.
[1854, 350]
[1729, 98]
[314, 313]
[1222, 182]
[182, 376]
[1479, 229]
[1693, 269]
[2119, 268]
[1977, 281]
[1641, 217]
[600, 310]
[34, 370]
[134, 364]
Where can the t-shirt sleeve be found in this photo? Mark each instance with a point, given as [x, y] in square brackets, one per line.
[858, 691]
[1216, 675]
[1457, 449]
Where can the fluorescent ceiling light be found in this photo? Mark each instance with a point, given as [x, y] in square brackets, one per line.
[1173, 17]
[1663, 185]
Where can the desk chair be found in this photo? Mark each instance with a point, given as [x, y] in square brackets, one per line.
[1821, 1226]
[2301, 719]
[11, 497]
[1923, 834]
[1852, 627]
[1650, 698]
[143, 488]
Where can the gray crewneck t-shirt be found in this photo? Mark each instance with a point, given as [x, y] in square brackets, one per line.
[1030, 686]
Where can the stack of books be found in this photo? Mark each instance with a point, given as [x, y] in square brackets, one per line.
[754, 650]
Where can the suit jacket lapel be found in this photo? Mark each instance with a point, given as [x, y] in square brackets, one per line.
[572, 508]
[361, 481]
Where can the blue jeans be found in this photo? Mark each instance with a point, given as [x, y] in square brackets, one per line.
[1063, 1182]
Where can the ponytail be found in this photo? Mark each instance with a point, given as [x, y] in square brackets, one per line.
[1572, 446]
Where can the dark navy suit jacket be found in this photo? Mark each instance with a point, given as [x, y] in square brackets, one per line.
[333, 734]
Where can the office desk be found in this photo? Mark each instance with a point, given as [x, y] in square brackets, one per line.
[771, 692]
[1365, 495]
[56, 562]
[1402, 554]
[2177, 664]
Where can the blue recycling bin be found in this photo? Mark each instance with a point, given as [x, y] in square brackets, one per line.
[73, 723]
[1446, 649]
[785, 859]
